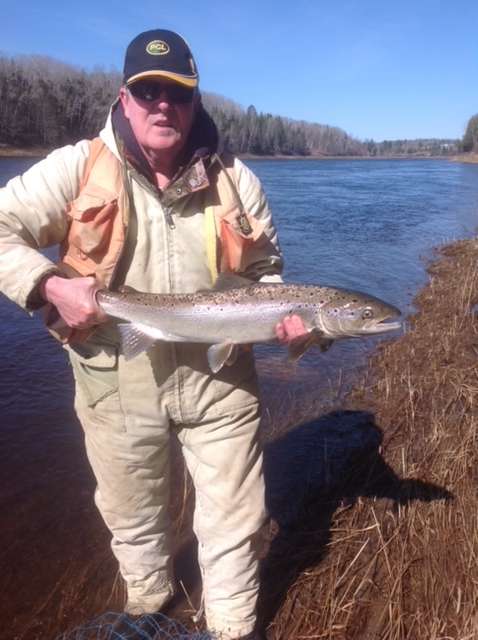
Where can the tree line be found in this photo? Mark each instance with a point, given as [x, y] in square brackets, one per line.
[45, 103]
[470, 138]
[247, 131]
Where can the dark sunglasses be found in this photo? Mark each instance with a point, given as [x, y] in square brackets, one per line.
[151, 91]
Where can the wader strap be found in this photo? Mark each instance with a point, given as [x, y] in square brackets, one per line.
[96, 147]
[211, 241]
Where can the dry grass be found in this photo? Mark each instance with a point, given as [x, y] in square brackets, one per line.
[391, 553]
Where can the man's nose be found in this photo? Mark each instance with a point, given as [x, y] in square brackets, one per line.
[164, 99]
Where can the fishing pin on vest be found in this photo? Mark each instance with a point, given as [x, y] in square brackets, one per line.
[244, 224]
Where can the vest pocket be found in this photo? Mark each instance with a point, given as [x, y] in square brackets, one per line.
[92, 216]
[234, 241]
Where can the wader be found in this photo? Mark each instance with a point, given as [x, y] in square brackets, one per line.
[128, 410]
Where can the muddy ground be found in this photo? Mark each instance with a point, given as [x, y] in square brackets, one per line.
[378, 543]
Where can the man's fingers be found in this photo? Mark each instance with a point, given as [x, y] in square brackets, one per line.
[75, 300]
[295, 326]
[280, 331]
[291, 327]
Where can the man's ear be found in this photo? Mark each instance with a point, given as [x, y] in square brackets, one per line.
[124, 99]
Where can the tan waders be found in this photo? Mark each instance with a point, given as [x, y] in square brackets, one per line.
[127, 410]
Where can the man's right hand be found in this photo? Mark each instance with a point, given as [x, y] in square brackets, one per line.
[75, 300]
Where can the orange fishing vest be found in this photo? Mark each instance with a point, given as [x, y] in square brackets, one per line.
[99, 219]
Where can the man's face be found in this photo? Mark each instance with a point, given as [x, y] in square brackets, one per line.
[161, 114]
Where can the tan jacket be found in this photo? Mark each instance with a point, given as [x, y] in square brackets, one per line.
[164, 250]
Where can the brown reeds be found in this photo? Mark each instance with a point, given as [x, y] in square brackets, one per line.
[390, 552]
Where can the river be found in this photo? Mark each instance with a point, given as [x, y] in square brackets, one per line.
[364, 224]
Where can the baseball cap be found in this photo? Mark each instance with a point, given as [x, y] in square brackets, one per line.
[160, 53]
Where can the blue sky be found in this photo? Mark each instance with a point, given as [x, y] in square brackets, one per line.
[378, 69]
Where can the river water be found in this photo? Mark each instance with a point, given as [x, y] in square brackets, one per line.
[365, 224]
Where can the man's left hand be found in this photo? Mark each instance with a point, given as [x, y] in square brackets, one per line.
[290, 328]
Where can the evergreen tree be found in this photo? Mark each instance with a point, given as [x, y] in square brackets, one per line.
[470, 139]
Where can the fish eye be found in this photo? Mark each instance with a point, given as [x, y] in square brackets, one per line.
[367, 314]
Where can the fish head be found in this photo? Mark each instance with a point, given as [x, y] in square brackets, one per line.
[354, 314]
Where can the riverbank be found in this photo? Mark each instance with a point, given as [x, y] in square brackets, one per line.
[471, 158]
[41, 152]
[21, 152]
[250, 156]
[392, 552]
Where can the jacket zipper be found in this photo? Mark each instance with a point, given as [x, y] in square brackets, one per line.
[169, 217]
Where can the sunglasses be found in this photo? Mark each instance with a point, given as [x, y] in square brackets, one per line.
[151, 91]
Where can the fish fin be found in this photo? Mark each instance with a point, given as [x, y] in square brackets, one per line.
[225, 281]
[324, 344]
[127, 289]
[136, 338]
[133, 340]
[300, 345]
[219, 354]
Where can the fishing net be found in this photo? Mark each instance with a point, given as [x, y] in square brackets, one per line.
[119, 626]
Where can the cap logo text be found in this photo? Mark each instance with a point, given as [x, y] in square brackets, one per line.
[157, 48]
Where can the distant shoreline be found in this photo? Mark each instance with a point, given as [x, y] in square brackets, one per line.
[470, 158]
[41, 152]
[21, 152]
[249, 156]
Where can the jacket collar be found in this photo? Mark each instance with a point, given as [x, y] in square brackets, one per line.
[198, 157]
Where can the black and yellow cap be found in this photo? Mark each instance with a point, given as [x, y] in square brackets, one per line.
[160, 53]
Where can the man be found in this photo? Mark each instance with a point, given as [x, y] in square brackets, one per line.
[152, 205]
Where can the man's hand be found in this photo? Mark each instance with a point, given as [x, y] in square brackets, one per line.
[290, 328]
[75, 300]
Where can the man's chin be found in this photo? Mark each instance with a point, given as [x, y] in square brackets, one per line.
[165, 131]
[166, 136]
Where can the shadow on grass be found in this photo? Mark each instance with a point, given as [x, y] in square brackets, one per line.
[312, 471]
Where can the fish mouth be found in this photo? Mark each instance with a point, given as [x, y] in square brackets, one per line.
[365, 329]
[383, 326]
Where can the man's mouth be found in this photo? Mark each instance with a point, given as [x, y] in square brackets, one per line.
[163, 123]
